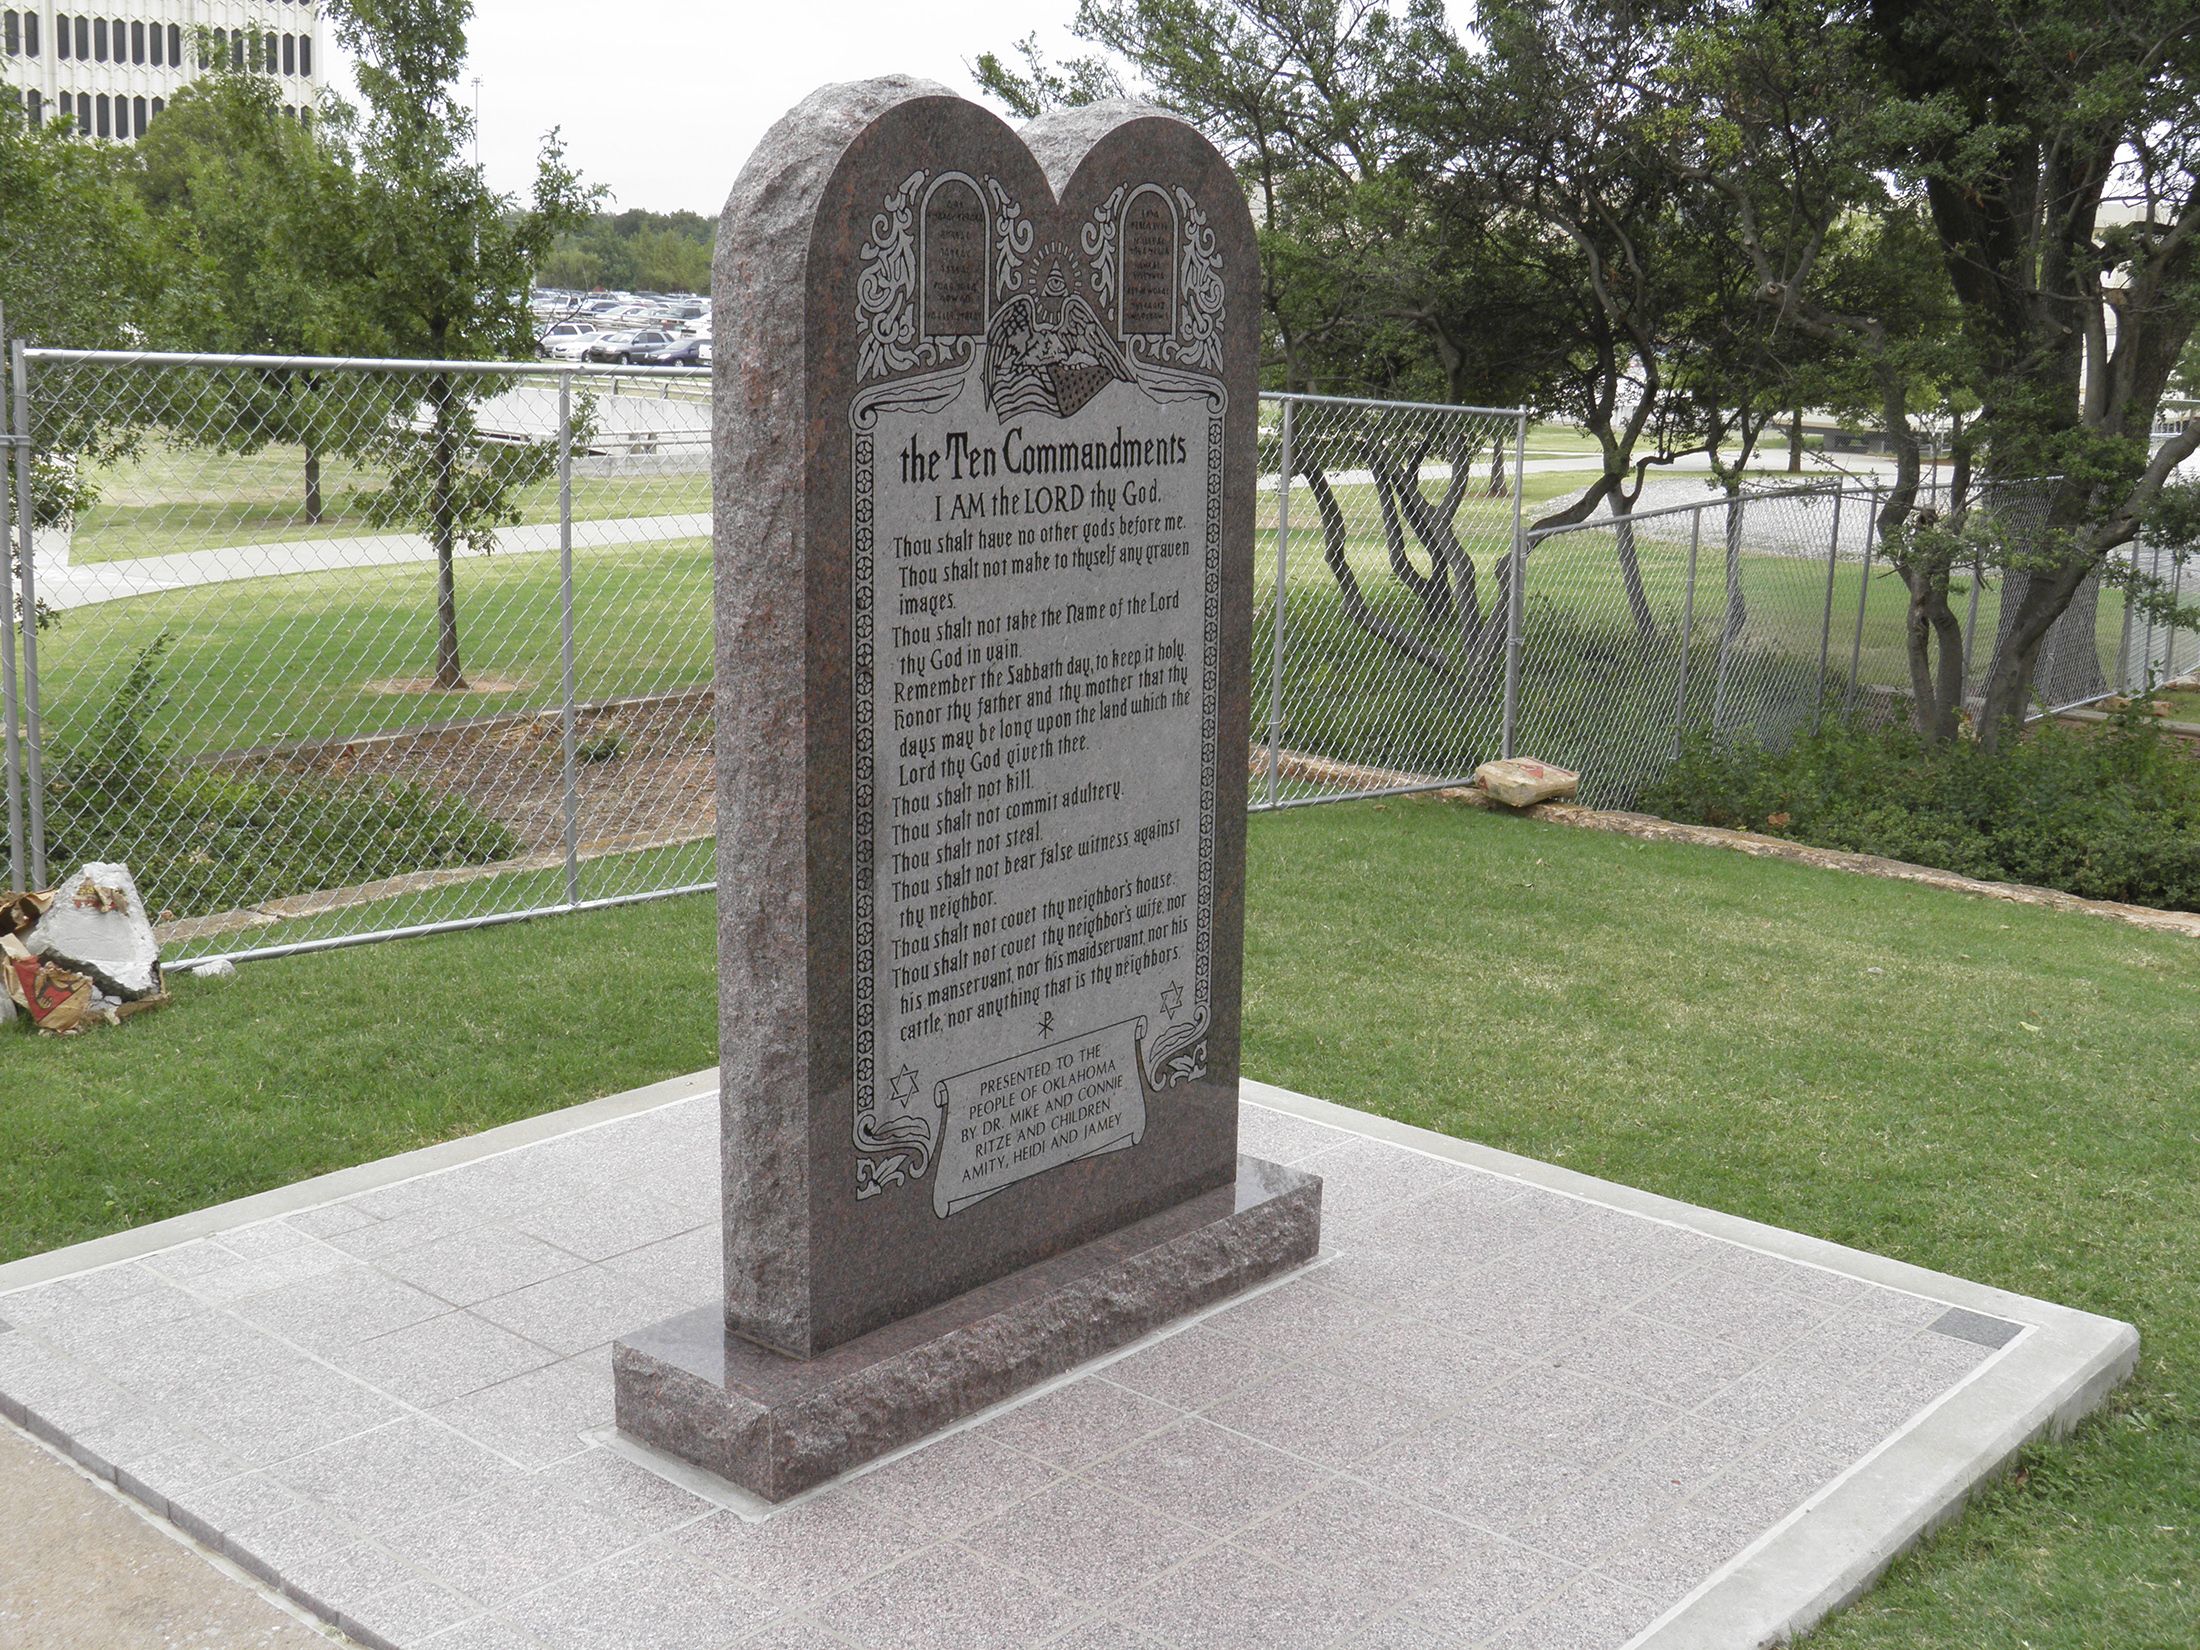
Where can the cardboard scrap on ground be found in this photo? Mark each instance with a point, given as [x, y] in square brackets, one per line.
[1520, 783]
[81, 955]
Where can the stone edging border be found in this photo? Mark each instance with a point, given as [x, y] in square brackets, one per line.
[1649, 828]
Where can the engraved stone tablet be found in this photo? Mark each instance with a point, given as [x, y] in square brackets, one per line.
[985, 416]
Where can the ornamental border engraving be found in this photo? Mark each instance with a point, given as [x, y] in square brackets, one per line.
[897, 1122]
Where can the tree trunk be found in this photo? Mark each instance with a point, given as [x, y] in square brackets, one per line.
[313, 486]
[1630, 565]
[443, 534]
[1500, 486]
[1795, 443]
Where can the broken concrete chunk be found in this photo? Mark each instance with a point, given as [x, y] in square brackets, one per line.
[1519, 783]
[97, 926]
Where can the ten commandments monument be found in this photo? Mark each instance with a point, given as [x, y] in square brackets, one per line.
[984, 489]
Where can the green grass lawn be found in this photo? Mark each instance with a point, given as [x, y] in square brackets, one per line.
[2009, 1098]
[272, 660]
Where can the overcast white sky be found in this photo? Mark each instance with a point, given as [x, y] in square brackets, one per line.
[662, 100]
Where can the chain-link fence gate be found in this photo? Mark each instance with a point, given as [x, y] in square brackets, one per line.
[339, 650]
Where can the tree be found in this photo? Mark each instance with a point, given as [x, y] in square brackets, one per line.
[77, 270]
[2046, 162]
[256, 215]
[449, 265]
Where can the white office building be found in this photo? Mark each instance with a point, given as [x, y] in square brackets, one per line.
[112, 65]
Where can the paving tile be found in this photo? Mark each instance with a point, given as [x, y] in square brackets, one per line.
[332, 1581]
[1976, 1327]
[1897, 1306]
[1278, 1137]
[266, 1415]
[410, 1613]
[1478, 1217]
[441, 1359]
[231, 1504]
[1726, 1308]
[265, 1238]
[578, 1310]
[1400, 1279]
[538, 1417]
[290, 1542]
[330, 1219]
[1659, 1360]
[1678, 1551]
[1592, 1614]
[1325, 1417]
[1476, 1472]
[193, 1259]
[388, 1479]
[688, 1266]
[472, 1266]
[602, 1478]
[1771, 1397]
[1684, 1456]
[1212, 1479]
[1103, 1633]
[1518, 1312]
[1364, 1536]
[952, 1484]
[340, 1307]
[802, 1553]
[653, 1598]
[247, 1279]
[598, 1227]
[1416, 1358]
[1294, 1318]
[495, 1631]
[1080, 1422]
[1194, 1367]
[1085, 1540]
[178, 1471]
[796, 1635]
[1370, 1176]
[1812, 1283]
[1569, 1416]
[514, 1539]
[141, 1435]
[1496, 1586]
[1224, 1599]
[949, 1598]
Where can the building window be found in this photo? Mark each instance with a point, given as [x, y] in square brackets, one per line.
[11, 34]
[30, 39]
[138, 109]
[290, 54]
[153, 45]
[175, 45]
[38, 108]
[106, 117]
[159, 103]
[305, 55]
[61, 30]
[137, 42]
[99, 40]
[270, 54]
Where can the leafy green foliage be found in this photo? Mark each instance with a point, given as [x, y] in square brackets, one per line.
[634, 251]
[203, 840]
[2109, 813]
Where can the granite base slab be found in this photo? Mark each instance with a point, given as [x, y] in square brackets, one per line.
[776, 1426]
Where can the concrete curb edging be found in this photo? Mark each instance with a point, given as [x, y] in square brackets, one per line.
[1831, 1550]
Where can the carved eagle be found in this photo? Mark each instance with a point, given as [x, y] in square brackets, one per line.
[1036, 365]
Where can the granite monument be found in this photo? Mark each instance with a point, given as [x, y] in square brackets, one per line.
[984, 475]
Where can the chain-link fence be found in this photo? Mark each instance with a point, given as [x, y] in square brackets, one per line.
[323, 649]
[335, 650]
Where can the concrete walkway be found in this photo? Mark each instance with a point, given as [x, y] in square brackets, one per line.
[106, 581]
[81, 1569]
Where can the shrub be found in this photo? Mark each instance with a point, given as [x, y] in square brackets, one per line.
[2111, 812]
[199, 841]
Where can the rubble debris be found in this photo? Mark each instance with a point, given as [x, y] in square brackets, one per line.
[55, 998]
[96, 925]
[221, 968]
[19, 913]
[1520, 783]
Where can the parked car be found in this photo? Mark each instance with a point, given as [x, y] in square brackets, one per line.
[631, 348]
[565, 340]
[681, 352]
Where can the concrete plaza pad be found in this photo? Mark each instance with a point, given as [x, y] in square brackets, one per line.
[1509, 1405]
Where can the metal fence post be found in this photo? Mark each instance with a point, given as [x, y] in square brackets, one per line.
[34, 777]
[15, 479]
[1276, 607]
[1688, 628]
[1728, 629]
[1825, 627]
[565, 639]
[1515, 597]
[2123, 640]
[1863, 599]
[2176, 595]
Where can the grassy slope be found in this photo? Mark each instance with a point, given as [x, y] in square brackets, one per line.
[1699, 1023]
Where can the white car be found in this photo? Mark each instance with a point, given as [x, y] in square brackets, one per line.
[566, 340]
